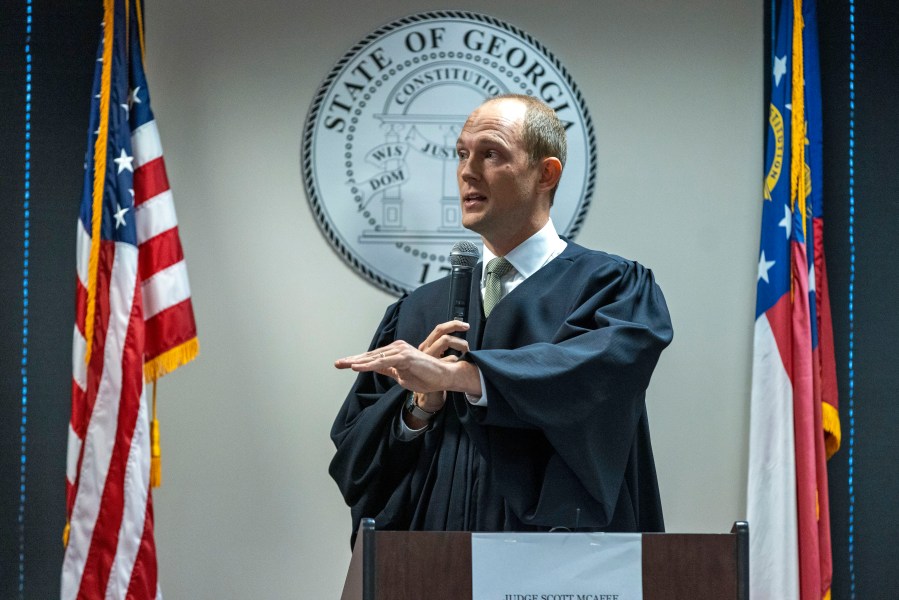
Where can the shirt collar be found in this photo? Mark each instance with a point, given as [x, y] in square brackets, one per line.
[531, 254]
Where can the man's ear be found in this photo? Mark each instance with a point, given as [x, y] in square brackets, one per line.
[550, 173]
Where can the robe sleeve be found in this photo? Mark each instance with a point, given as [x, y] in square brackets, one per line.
[372, 465]
[583, 390]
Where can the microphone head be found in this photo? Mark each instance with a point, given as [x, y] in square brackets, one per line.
[464, 254]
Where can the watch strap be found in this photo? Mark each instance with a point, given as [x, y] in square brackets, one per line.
[416, 411]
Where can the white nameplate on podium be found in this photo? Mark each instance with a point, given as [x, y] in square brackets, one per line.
[561, 566]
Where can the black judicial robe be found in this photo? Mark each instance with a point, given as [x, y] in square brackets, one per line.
[564, 441]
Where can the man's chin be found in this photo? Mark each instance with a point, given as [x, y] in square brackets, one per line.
[473, 214]
[472, 223]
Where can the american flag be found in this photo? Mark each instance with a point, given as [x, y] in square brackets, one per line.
[794, 424]
[134, 323]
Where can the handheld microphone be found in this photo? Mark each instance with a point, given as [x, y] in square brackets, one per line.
[463, 257]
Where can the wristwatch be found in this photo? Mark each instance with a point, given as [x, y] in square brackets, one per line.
[415, 410]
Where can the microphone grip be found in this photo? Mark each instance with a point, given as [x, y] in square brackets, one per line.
[460, 290]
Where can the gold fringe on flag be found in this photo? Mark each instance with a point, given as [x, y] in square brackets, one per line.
[798, 177]
[100, 149]
[140, 30]
[170, 360]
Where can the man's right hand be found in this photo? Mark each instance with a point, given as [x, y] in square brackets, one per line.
[436, 344]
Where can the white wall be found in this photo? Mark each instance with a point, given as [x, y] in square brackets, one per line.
[675, 90]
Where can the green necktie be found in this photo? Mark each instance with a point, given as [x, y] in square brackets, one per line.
[493, 288]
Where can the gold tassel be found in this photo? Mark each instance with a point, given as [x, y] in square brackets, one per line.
[65, 535]
[155, 448]
[832, 433]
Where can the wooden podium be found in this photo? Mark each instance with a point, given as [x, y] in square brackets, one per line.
[696, 566]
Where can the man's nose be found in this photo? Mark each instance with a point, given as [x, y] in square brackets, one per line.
[469, 170]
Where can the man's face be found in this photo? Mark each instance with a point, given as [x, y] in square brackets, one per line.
[497, 184]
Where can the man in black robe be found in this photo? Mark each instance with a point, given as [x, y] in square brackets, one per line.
[541, 423]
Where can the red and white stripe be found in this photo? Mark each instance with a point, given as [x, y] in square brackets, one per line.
[109, 450]
[168, 310]
[772, 509]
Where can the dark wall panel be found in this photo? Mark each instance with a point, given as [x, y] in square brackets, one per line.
[861, 218]
[62, 43]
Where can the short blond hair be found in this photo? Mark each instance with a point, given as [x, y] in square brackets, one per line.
[543, 133]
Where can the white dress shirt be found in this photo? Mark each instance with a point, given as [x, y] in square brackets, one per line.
[527, 258]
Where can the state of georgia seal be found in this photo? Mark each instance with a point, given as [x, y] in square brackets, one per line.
[378, 150]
